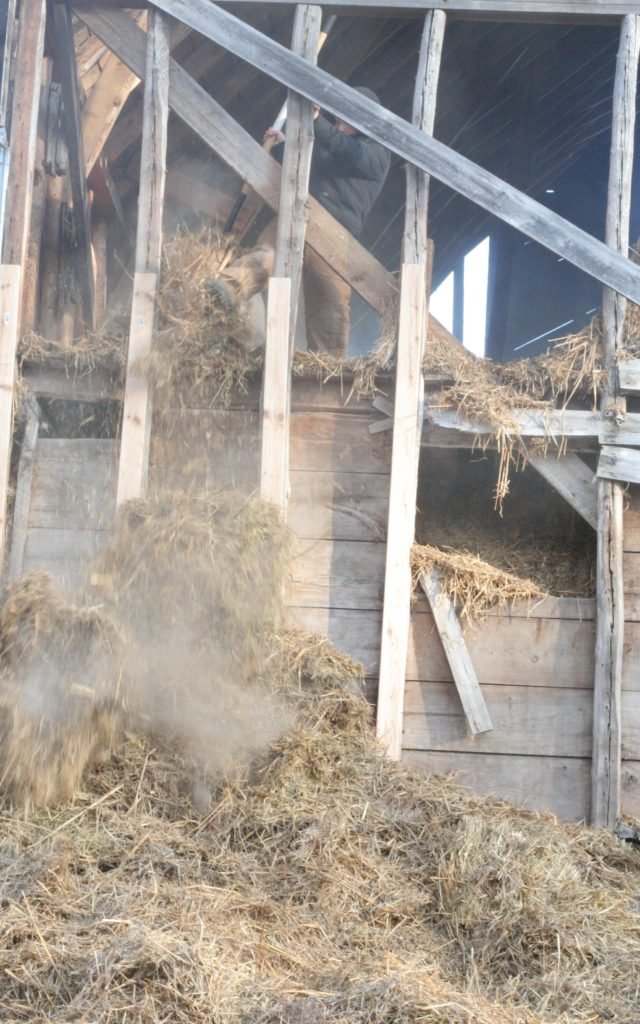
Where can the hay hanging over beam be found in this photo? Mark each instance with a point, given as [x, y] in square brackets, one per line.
[473, 585]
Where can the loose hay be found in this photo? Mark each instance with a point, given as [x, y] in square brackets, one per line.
[336, 886]
[61, 691]
[199, 346]
[472, 584]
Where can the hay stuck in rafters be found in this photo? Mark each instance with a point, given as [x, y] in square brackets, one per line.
[473, 585]
[61, 691]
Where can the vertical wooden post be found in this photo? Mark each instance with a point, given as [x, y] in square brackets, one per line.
[606, 757]
[31, 272]
[99, 246]
[66, 64]
[408, 409]
[15, 561]
[292, 222]
[136, 421]
[9, 319]
[24, 127]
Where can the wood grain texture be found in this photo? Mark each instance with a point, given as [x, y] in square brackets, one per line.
[20, 525]
[274, 460]
[136, 413]
[24, 127]
[407, 428]
[453, 642]
[66, 67]
[629, 376]
[572, 479]
[616, 463]
[10, 277]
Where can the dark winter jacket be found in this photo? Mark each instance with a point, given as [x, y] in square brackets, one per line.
[347, 173]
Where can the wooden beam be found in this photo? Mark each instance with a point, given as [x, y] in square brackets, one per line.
[296, 164]
[104, 104]
[577, 8]
[9, 320]
[22, 502]
[66, 65]
[274, 470]
[606, 764]
[629, 376]
[408, 411]
[7, 66]
[24, 127]
[237, 149]
[136, 417]
[621, 464]
[457, 652]
[402, 507]
[425, 152]
[572, 479]
[284, 287]
[554, 424]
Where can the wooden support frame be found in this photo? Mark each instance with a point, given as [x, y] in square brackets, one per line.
[24, 127]
[572, 479]
[22, 502]
[402, 507]
[408, 410]
[426, 153]
[555, 425]
[10, 289]
[136, 417]
[281, 319]
[66, 55]
[606, 767]
[274, 468]
[457, 652]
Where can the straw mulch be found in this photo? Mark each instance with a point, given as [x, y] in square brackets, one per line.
[333, 886]
[61, 690]
[473, 585]
[324, 883]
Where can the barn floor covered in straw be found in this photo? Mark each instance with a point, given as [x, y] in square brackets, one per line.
[323, 882]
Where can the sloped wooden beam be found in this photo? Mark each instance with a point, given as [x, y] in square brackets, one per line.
[606, 761]
[104, 104]
[136, 416]
[425, 152]
[240, 152]
[573, 480]
[457, 652]
[66, 63]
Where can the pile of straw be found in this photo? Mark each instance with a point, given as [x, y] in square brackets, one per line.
[334, 886]
[61, 691]
[473, 585]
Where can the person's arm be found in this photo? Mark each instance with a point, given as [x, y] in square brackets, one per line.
[358, 158]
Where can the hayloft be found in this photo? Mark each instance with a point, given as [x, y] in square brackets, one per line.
[466, 530]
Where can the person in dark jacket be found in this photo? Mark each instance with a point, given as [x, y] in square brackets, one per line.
[348, 171]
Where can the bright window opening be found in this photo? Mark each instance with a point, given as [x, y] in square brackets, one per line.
[441, 303]
[476, 281]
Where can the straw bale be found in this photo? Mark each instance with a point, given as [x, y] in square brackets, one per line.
[333, 886]
[61, 691]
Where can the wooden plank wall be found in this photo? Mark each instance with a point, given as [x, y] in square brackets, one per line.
[535, 666]
[536, 669]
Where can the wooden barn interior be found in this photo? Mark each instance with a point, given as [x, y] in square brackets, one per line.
[510, 124]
